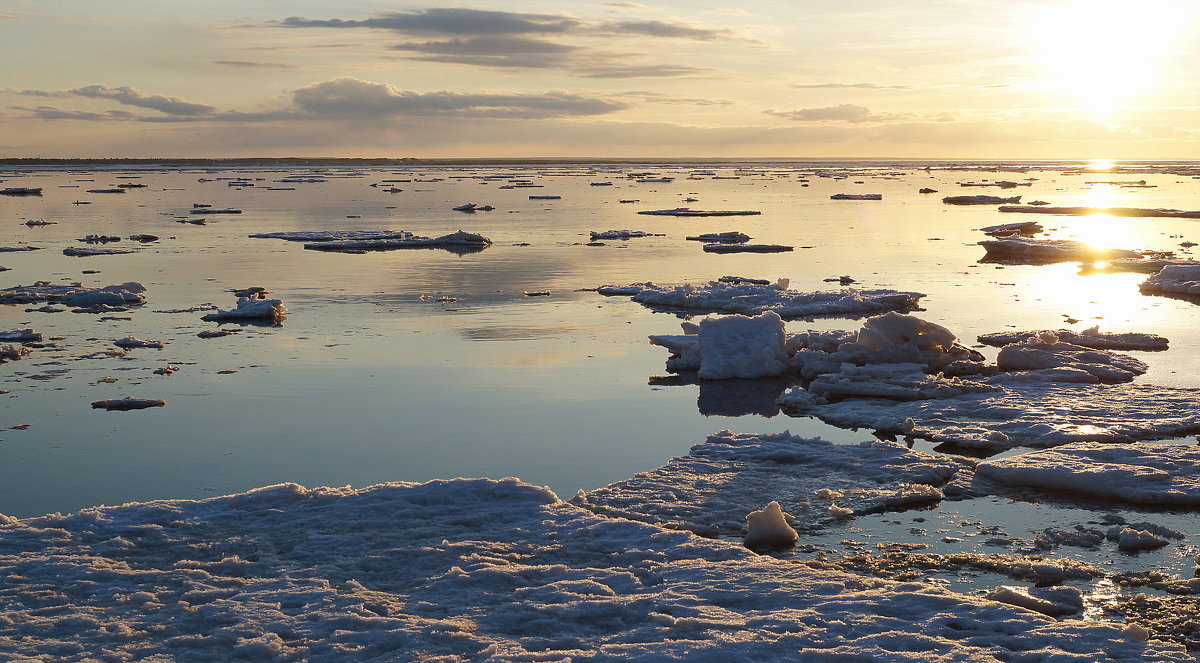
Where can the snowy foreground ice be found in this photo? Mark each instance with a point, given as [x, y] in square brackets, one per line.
[472, 570]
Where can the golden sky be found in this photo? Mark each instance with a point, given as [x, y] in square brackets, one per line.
[986, 79]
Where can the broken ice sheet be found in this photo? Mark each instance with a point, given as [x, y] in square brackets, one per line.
[711, 490]
[753, 298]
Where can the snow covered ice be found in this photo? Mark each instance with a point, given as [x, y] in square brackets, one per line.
[405, 572]
[752, 299]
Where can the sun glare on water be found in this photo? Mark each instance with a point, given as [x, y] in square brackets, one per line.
[1103, 53]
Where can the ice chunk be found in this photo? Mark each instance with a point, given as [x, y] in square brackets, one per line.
[687, 211]
[248, 308]
[768, 528]
[83, 251]
[1052, 601]
[20, 336]
[1174, 280]
[135, 342]
[736, 346]
[906, 382]
[75, 294]
[621, 234]
[1139, 473]
[1006, 229]
[460, 241]
[1134, 540]
[980, 200]
[1107, 211]
[746, 248]
[335, 235]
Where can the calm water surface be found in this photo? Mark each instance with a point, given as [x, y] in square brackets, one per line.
[370, 379]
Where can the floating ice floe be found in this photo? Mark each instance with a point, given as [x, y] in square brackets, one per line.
[456, 241]
[1140, 473]
[728, 236]
[768, 528]
[335, 235]
[687, 211]
[711, 490]
[856, 196]
[135, 342]
[407, 572]
[250, 308]
[755, 298]
[13, 352]
[979, 200]
[20, 336]
[622, 234]
[1048, 353]
[83, 251]
[214, 210]
[1049, 250]
[127, 403]
[1088, 338]
[1052, 601]
[1092, 211]
[75, 294]
[1174, 280]
[1006, 229]
[1031, 413]
[747, 248]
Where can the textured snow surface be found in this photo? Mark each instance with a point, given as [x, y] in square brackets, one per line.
[1088, 338]
[1026, 413]
[469, 570]
[1140, 473]
[752, 299]
[720, 481]
[736, 346]
[1034, 355]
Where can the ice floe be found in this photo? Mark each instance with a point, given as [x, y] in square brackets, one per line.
[728, 236]
[1006, 229]
[127, 403]
[686, 211]
[1093, 211]
[622, 234]
[129, 342]
[747, 248]
[979, 200]
[75, 294]
[26, 335]
[407, 572]
[1174, 280]
[84, 251]
[1040, 353]
[460, 241]
[1088, 338]
[755, 298]
[1049, 250]
[1141, 473]
[335, 235]
[250, 308]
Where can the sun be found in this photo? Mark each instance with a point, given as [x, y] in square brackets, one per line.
[1103, 53]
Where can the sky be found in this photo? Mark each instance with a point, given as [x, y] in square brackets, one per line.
[936, 79]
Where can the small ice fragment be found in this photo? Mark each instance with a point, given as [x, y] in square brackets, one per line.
[128, 403]
[769, 528]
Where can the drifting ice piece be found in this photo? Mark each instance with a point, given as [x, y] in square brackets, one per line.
[1088, 338]
[979, 200]
[753, 298]
[251, 309]
[736, 346]
[75, 294]
[1174, 280]
[128, 403]
[1036, 354]
[1049, 250]
[686, 211]
[1110, 211]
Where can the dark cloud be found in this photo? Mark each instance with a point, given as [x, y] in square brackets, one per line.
[492, 51]
[353, 97]
[841, 113]
[639, 71]
[129, 97]
[450, 21]
[862, 86]
[253, 65]
[664, 30]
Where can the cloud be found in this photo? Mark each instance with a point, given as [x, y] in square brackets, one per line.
[863, 86]
[253, 65]
[347, 96]
[632, 6]
[639, 71]
[127, 96]
[52, 113]
[660, 98]
[841, 113]
[492, 51]
[450, 21]
[662, 29]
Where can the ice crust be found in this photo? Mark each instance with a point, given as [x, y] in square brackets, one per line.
[471, 570]
[1141, 473]
[711, 490]
[753, 299]
[1088, 338]
[1032, 413]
